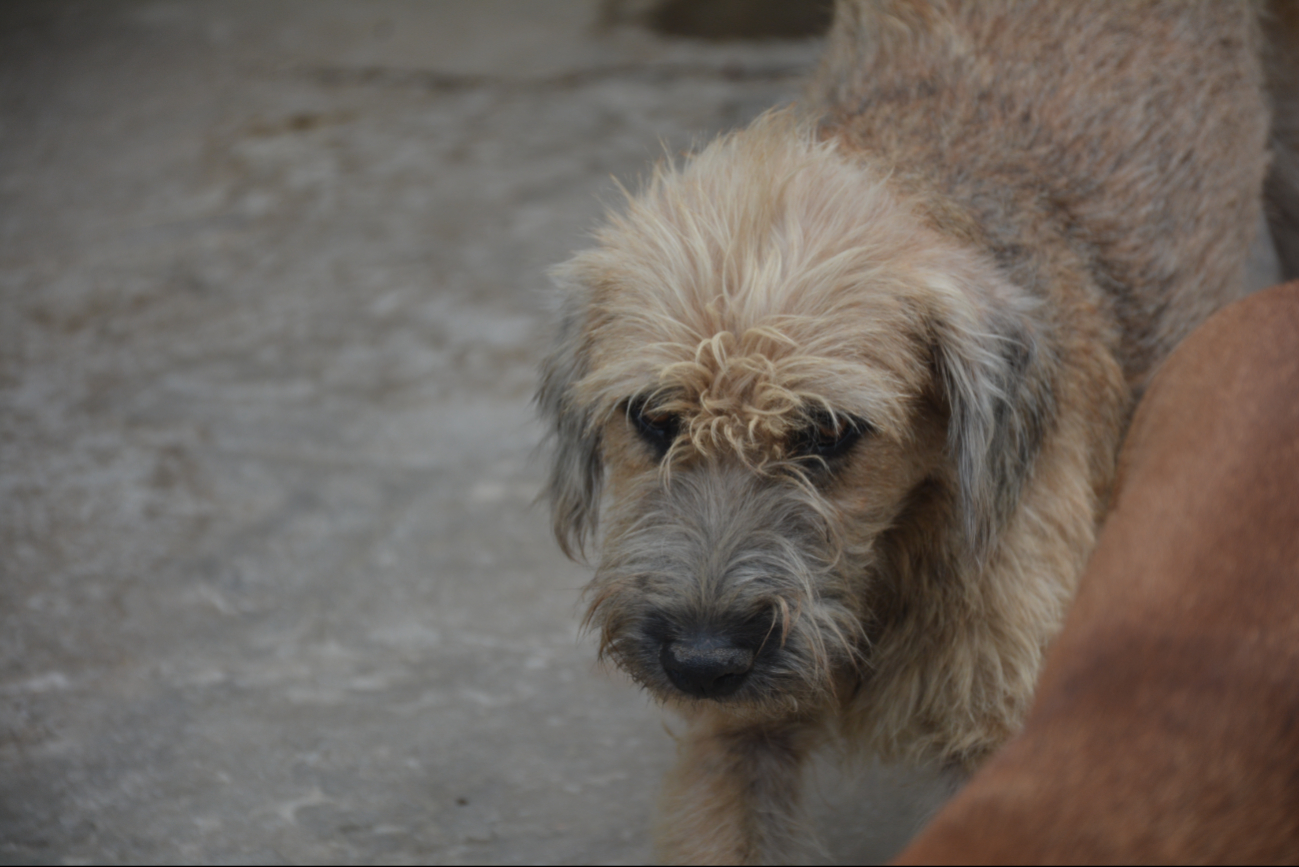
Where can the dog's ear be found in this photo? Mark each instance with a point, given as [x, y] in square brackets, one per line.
[994, 372]
[577, 463]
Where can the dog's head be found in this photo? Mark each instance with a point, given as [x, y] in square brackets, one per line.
[767, 364]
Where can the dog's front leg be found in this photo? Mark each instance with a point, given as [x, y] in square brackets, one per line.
[734, 795]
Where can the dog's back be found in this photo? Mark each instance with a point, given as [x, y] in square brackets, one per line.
[1122, 140]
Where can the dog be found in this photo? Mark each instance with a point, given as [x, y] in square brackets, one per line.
[843, 392]
[1163, 728]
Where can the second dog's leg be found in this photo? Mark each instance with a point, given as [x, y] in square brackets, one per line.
[733, 797]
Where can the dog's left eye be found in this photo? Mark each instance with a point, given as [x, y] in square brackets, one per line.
[658, 429]
[828, 437]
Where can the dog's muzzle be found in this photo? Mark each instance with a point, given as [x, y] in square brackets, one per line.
[706, 665]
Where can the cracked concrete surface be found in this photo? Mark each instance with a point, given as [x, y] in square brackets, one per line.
[272, 297]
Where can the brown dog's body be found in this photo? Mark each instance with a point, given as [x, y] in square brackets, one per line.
[854, 378]
[1164, 729]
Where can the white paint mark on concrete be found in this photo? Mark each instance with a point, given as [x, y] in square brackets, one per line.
[484, 493]
[49, 682]
[216, 600]
[315, 695]
[288, 810]
[369, 683]
[406, 634]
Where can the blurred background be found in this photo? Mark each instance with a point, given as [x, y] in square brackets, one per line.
[272, 298]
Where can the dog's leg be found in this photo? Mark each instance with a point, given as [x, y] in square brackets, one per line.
[734, 795]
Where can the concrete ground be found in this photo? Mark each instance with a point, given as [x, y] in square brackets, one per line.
[272, 298]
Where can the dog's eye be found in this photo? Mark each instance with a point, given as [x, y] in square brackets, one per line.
[658, 429]
[829, 437]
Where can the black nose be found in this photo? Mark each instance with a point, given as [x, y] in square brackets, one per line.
[705, 665]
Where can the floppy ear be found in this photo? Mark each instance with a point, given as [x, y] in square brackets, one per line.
[577, 463]
[995, 374]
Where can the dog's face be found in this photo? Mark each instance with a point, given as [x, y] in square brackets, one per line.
[763, 363]
[747, 488]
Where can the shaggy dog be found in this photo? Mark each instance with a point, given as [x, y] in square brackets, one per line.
[851, 381]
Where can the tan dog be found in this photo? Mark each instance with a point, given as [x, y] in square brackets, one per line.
[853, 379]
[1164, 730]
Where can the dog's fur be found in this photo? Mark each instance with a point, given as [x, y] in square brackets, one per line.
[1163, 731]
[971, 244]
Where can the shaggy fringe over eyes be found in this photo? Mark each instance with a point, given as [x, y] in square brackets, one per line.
[724, 272]
[748, 397]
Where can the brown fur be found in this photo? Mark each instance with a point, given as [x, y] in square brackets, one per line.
[974, 240]
[1164, 727]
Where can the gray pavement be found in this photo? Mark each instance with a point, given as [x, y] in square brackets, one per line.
[272, 297]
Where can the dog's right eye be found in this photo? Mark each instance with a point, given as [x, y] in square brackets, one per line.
[828, 437]
[657, 429]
